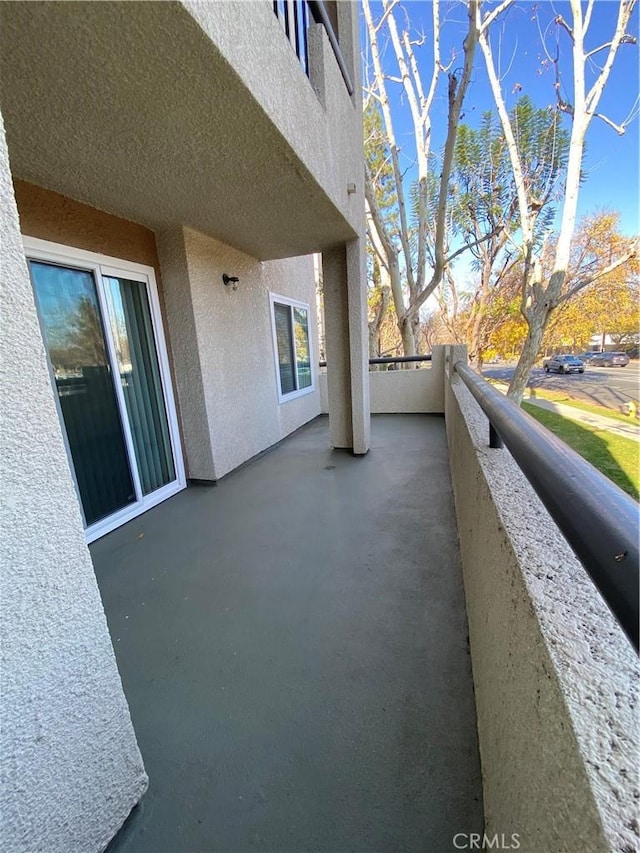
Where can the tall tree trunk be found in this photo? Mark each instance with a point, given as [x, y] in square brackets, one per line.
[408, 337]
[476, 338]
[537, 322]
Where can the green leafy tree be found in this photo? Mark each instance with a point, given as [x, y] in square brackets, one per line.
[579, 86]
[484, 203]
[378, 160]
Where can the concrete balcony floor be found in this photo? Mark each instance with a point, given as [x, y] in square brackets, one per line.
[293, 647]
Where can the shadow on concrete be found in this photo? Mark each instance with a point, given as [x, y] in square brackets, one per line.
[293, 646]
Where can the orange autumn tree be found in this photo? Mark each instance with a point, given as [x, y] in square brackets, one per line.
[608, 305]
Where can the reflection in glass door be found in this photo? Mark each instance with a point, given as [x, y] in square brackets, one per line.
[106, 354]
[74, 335]
[140, 376]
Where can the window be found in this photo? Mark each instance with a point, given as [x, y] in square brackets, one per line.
[291, 346]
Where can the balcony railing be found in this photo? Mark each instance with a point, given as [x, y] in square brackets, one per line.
[598, 519]
[403, 359]
[295, 17]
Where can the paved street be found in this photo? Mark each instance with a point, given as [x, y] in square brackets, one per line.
[612, 387]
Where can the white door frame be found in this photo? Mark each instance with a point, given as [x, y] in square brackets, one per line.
[103, 265]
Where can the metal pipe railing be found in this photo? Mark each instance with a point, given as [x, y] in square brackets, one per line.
[600, 521]
[319, 13]
[392, 359]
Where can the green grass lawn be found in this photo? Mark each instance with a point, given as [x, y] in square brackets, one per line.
[559, 397]
[562, 397]
[616, 457]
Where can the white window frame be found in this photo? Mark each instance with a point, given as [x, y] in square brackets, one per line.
[104, 265]
[292, 303]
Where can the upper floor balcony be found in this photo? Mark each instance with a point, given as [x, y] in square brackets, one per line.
[191, 113]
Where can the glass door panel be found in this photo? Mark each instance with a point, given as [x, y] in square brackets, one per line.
[303, 359]
[132, 333]
[72, 327]
[284, 337]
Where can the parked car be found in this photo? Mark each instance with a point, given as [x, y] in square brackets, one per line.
[587, 356]
[563, 364]
[610, 359]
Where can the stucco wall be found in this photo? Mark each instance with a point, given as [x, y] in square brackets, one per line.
[402, 391]
[59, 219]
[223, 346]
[325, 127]
[200, 114]
[71, 769]
[396, 391]
[556, 681]
[51, 216]
[405, 391]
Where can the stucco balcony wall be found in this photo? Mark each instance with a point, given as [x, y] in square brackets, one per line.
[401, 391]
[71, 768]
[556, 680]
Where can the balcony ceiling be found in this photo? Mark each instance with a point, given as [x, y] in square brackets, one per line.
[132, 109]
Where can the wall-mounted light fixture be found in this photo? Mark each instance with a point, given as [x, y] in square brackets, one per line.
[230, 280]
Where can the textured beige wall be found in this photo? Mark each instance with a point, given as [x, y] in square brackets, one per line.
[223, 346]
[402, 391]
[336, 327]
[345, 326]
[51, 216]
[358, 344]
[405, 391]
[399, 391]
[186, 366]
[556, 681]
[326, 136]
[201, 115]
[71, 766]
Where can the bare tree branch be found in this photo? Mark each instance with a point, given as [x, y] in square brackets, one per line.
[588, 13]
[386, 113]
[374, 240]
[457, 92]
[562, 23]
[512, 145]
[471, 245]
[626, 39]
[373, 211]
[624, 14]
[421, 131]
[493, 15]
[619, 128]
[590, 279]
[388, 10]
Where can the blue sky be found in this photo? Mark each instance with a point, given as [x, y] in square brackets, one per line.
[611, 161]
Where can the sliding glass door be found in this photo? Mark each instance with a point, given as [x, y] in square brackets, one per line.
[106, 352]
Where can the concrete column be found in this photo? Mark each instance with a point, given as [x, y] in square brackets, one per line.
[181, 322]
[72, 770]
[438, 357]
[359, 345]
[346, 340]
[453, 353]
